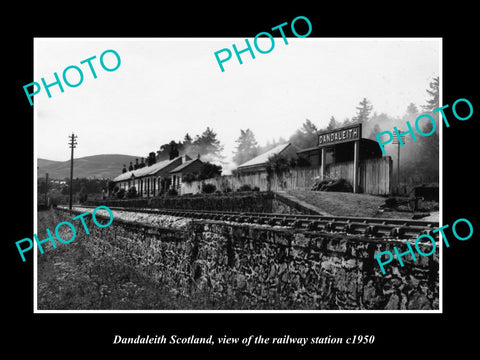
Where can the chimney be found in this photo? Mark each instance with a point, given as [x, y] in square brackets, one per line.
[198, 156]
[136, 164]
[151, 159]
[124, 170]
[173, 151]
[130, 168]
[142, 165]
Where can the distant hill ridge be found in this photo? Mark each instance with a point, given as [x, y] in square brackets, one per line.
[96, 166]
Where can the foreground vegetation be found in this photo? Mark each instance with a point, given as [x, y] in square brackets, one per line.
[70, 279]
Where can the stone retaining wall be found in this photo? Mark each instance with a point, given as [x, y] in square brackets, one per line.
[252, 201]
[242, 266]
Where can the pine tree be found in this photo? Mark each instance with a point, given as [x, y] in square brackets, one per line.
[429, 154]
[306, 136]
[363, 111]
[187, 140]
[247, 147]
[208, 144]
[434, 101]
[412, 109]
[333, 124]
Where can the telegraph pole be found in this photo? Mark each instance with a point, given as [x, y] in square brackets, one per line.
[397, 142]
[72, 143]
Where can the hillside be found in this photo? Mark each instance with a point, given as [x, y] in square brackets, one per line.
[96, 166]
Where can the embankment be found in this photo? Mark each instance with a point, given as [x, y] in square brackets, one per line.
[249, 266]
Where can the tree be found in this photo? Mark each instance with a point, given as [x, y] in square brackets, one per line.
[412, 109]
[209, 170]
[167, 149]
[174, 153]
[363, 111]
[429, 153]
[376, 123]
[306, 136]
[83, 194]
[187, 140]
[271, 144]
[41, 186]
[333, 124]
[247, 147]
[208, 144]
[121, 193]
[278, 163]
[433, 102]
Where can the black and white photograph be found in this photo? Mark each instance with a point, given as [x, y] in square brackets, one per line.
[262, 187]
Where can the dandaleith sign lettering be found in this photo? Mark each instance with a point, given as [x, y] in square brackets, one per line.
[346, 134]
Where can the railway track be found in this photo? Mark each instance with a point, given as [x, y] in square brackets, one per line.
[375, 227]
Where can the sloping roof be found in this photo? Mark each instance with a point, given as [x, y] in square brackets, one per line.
[184, 165]
[147, 170]
[308, 149]
[263, 158]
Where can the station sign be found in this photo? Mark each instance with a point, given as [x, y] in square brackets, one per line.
[340, 135]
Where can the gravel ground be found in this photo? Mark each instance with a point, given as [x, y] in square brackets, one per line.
[167, 221]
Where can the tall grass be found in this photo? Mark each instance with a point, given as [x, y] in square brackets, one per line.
[69, 278]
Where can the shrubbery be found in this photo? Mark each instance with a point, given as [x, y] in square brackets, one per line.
[341, 185]
[189, 177]
[207, 171]
[172, 192]
[245, 187]
[208, 188]
[121, 194]
[132, 192]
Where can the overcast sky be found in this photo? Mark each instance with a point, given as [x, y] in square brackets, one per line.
[165, 88]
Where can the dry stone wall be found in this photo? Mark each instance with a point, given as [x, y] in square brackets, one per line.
[247, 266]
[251, 201]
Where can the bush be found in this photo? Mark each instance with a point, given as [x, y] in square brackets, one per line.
[172, 192]
[112, 187]
[341, 185]
[245, 187]
[256, 188]
[83, 198]
[132, 192]
[121, 194]
[279, 163]
[209, 170]
[189, 177]
[208, 188]
[228, 190]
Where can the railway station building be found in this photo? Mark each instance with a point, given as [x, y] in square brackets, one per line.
[151, 180]
[344, 153]
[190, 166]
[260, 162]
[160, 177]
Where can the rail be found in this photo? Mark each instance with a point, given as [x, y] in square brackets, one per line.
[375, 227]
